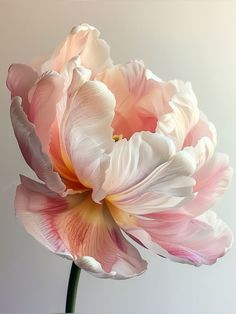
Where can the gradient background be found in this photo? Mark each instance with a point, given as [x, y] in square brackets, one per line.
[189, 40]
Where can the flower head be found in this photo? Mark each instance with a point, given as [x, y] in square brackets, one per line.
[118, 151]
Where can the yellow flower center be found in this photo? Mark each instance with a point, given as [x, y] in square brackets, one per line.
[117, 137]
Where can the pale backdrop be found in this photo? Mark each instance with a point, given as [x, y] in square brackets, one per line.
[189, 40]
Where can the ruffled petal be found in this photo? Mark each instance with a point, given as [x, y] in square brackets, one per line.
[203, 128]
[78, 228]
[183, 117]
[212, 181]
[83, 42]
[134, 159]
[201, 141]
[31, 148]
[143, 177]
[87, 134]
[20, 79]
[140, 99]
[182, 238]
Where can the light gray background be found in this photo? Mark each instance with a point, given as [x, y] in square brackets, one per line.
[189, 40]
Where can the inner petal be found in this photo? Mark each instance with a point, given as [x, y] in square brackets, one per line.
[140, 97]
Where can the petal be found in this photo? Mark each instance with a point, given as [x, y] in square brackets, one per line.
[201, 141]
[211, 182]
[43, 98]
[133, 160]
[140, 99]
[20, 79]
[96, 242]
[183, 117]
[184, 239]
[31, 148]
[146, 178]
[79, 228]
[83, 41]
[35, 204]
[87, 133]
[203, 128]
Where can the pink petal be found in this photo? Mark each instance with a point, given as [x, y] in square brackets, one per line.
[87, 134]
[43, 98]
[211, 182]
[20, 79]
[83, 41]
[31, 148]
[35, 205]
[144, 177]
[139, 99]
[203, 128]
[79, 228]
[61, 162]
[182, 238]
[97, 244]
[183, 117]
[201, 141]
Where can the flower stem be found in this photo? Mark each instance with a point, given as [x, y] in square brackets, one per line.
[72, 288]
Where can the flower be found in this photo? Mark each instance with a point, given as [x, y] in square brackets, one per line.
[118, 151]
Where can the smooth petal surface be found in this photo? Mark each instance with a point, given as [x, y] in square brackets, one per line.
[211, 182]
[183, 117]
[31, 148]
[167, 185]
[140, 99]
[183, 238]
[87, 133]
[78, 228]
[83, 42]
[20, 79]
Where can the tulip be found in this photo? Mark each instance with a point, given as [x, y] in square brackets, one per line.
[117, 151]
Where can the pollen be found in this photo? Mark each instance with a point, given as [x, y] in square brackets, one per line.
[117, 137]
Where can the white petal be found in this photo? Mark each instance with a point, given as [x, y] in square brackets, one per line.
[133, 160]
[87, 134]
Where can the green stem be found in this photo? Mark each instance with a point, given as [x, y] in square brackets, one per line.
[72, 288]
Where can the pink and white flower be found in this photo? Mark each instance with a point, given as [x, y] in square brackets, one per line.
[117, 151]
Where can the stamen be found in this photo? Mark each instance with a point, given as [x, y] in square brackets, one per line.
[117, 137]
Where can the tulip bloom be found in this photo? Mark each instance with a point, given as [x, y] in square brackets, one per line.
[118, 151]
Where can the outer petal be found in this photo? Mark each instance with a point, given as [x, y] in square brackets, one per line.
[83, 41]
[31, 148]
[211, 182]
[140, 99]
[20, 79]
[76, 226]
[184, 115]
[152, 184]
[87, 133]
[183, 238]
[35, 204]
[43, 98]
